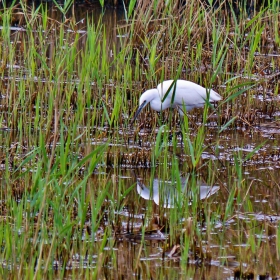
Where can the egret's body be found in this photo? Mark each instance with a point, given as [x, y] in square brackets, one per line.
[184, 95]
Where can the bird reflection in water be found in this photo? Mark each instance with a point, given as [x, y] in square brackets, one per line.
[166, 194]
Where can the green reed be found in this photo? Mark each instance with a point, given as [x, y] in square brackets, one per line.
[70, 94]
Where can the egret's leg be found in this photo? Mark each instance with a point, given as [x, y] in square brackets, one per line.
[177, 133]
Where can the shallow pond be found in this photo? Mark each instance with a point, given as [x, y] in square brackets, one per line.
[88, 194]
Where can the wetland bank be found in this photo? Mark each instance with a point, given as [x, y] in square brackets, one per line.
[85, 194]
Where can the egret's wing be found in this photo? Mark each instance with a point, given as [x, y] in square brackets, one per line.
[192, 95]
[167, 89]
[166, 86]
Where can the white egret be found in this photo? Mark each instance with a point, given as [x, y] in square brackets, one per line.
[183, 94]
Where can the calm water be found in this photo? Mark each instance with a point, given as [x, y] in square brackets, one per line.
[156, 193]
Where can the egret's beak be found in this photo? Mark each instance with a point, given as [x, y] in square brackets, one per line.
[139, 110]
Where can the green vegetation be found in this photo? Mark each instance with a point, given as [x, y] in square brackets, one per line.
[70, 158]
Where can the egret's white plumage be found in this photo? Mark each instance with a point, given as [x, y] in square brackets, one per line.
[186, 96]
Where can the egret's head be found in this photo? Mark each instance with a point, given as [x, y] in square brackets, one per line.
[145, 99]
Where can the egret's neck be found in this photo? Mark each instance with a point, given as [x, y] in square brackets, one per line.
[158, 105]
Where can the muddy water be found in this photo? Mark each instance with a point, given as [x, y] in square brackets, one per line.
[227, 240]
[256, 184]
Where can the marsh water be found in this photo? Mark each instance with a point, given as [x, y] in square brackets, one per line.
[149, 179]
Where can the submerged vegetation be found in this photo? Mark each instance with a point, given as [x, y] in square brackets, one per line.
[84, 193]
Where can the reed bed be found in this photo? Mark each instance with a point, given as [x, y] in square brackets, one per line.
[71, 160]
